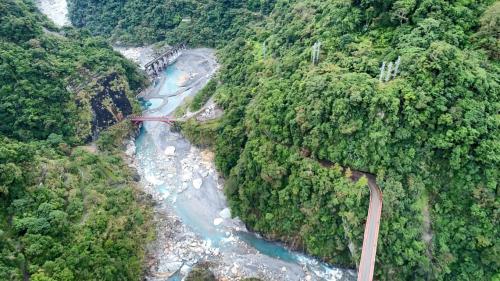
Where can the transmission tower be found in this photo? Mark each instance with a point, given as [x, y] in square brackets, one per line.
[315, 52]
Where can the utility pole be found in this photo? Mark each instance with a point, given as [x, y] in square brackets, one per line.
[264, 50]
[315, 52]
[382, 69]
[396, 68]
[392, 70]
[389, 72]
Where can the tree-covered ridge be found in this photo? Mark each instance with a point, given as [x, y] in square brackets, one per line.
[428, 131]
[205, 22]
[66, 213]
[40, 71]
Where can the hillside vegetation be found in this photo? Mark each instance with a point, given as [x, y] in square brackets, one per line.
[66, 213]
[429, 131]
[43, 74]
[205, 22]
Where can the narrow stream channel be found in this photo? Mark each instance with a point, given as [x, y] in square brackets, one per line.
[192, 190]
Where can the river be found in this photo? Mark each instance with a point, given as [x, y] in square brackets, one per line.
[183, 178]
[194, 223]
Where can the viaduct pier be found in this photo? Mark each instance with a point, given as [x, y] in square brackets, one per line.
[158, 64]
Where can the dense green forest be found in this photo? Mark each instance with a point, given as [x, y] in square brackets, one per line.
[66, 212]
[205, 22]
[430, 133]
[428, 128]
[40, 69]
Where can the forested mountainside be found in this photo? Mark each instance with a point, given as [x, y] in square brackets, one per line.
[66, 213]
[48, 79]
[426, 124]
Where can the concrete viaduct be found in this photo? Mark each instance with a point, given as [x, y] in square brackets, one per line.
[154, 67]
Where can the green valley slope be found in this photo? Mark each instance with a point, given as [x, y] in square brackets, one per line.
[430, 133]
[66, 212]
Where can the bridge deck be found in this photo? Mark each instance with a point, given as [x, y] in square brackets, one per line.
[167, 53]
[165, 119]
[369, 249]
[158, 58]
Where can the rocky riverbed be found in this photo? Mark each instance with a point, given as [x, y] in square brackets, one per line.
[56, 10]
[194, 222]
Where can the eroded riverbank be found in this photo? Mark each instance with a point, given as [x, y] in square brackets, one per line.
[194, 223]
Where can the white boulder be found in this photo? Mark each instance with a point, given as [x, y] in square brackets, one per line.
[218, 221]
[225, 213]
[197, 183]
[170, 151]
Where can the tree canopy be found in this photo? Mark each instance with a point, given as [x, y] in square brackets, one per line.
[66, 213]
[429, 131]
[406, 90]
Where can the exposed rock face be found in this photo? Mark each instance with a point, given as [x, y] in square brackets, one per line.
[102, 102]
[110, 103]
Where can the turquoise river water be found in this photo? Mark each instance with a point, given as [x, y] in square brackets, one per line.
[152, 141]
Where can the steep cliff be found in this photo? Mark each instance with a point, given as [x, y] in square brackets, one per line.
[110, 104]
[64, 83]
[102, 102]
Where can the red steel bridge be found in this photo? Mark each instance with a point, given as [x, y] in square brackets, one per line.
[164, 119]
[369, 249]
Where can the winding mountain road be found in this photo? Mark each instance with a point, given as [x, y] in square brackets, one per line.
[369, 250]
